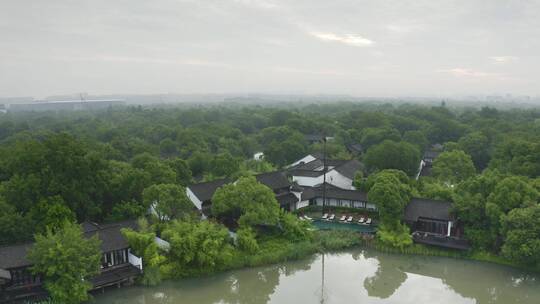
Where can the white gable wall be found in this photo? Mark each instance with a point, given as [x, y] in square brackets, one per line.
[339, 180]
[196, 201]
[306, 159]
[308, 181]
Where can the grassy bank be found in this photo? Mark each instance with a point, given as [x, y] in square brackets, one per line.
[274, 250]
[475, 255]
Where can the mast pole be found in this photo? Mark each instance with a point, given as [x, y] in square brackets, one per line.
[324, 175]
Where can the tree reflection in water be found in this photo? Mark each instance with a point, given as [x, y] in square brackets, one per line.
[356, 276]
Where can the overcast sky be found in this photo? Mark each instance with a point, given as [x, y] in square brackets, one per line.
[362, 48]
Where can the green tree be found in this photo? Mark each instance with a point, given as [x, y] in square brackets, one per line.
[126, 210]
[181, 168]
[126, 183]
[51, 213]
[477, 146]
[521, 230]
[284, 153]
[199, 163]
[169, 201]
[167, 148]
[393, 155]
[391, 195]
[246, 239]
[247, 202]
[143, 244]
[509, 193]
[292, 228]
[15, 227]
[55, 165]
[374, 136]
[67, 261]
[197, 247]
[435, 190]
[224, 165]
[470, 199]
[389, 199]
[417, 138]
[517, 156]
[453, 167]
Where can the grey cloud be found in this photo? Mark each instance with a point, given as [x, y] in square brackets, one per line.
[365, 48]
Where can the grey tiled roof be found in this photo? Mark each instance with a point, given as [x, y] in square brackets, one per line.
[14, 256]
[349, 168]
[205, 191]
[273, 180]
[110, 235]
[428, 208]
[333, 192]
[286, 198]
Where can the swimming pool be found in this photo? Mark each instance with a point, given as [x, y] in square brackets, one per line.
[333, 225]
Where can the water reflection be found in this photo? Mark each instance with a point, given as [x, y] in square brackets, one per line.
[356, 276]
[387, 279]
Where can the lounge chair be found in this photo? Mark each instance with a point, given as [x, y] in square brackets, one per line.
[349, 219]
[308, 218]
[332, 217]
[368, 221]
[301, 218]
[325, 216]
[342, 218]
[361, 220]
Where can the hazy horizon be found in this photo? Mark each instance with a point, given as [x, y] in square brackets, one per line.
[343, 47]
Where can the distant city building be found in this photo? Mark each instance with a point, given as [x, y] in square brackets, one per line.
[65, 105]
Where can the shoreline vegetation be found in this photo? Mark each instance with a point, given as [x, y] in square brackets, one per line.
[275, 250]
[117, 164]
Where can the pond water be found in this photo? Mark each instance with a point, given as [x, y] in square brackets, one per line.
[332, 225]
[356, 276]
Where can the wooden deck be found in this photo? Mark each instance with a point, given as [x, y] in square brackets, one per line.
[20, 294]
[120, 275]
[115, 276]
[440, 240]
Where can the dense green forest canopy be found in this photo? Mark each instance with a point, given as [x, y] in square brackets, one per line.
[101, 165]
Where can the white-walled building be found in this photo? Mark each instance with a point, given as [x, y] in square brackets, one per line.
[340, 173]
[201, 194]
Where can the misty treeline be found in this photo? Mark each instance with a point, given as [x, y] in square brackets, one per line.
[96, 165]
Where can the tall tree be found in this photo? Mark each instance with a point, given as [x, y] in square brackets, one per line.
[181, 168]
[393, 155]
[477, 146]
[14, 226]
[453, 167]
[391, 196]
[168, 201]
[247, 202]
[517, 156]
[67, 261]
[521, 230]
[51, 213]
[197, 247]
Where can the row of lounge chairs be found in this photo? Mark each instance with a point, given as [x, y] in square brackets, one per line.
[347, 219]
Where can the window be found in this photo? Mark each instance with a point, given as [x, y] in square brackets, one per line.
[113, 258]
[22, 276]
